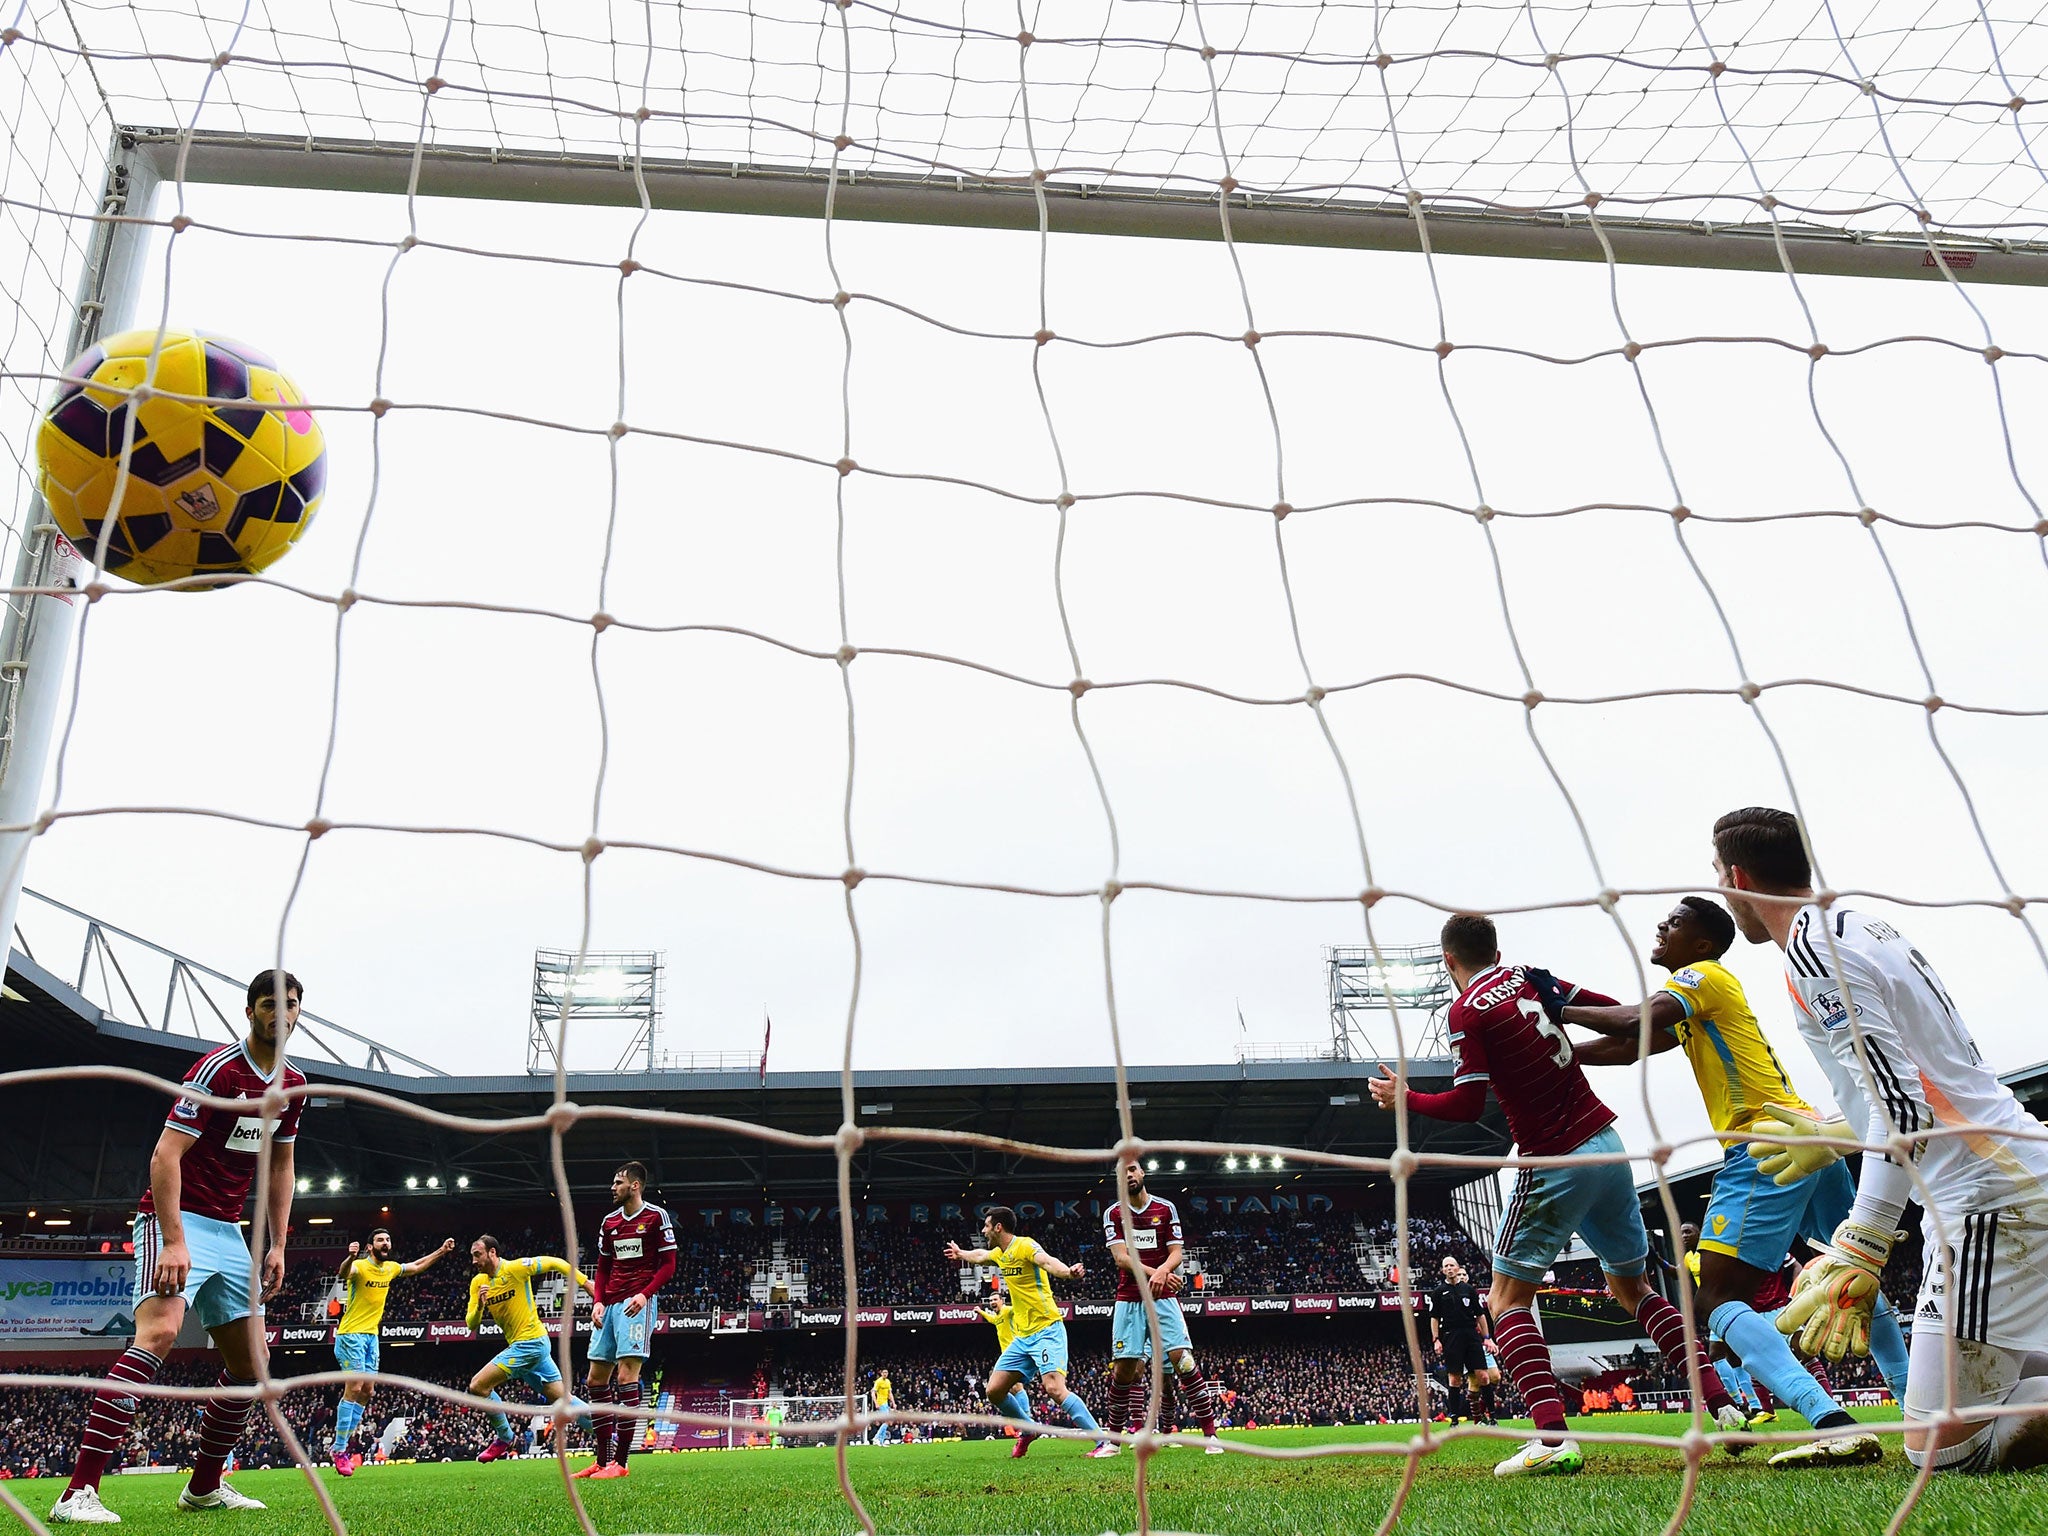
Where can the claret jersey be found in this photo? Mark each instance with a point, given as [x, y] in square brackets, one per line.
[1154, 1230]
[1503, 1038]
[215, 1175]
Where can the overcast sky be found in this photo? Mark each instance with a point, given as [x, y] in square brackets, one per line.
[452, 717]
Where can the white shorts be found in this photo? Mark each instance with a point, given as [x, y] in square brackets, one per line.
[1990, 1288]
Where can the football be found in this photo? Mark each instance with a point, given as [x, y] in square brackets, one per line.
[220, 483]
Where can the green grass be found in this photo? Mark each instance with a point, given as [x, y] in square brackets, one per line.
[950, 1489]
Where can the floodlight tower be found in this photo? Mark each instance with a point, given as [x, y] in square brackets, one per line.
[1367, 986]
[602, 987]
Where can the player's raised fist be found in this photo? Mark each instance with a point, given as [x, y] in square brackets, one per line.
[354, 1249]
[447, 1245]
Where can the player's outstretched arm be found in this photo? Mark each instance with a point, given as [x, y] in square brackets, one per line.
[1620, 1050]
[1464, 1101]
[968, 1255]
[1625, 1021]
[425, 1261]
[1059, 1269]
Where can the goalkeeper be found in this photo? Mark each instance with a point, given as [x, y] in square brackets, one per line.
[1751, 1221]
[1902, 1063]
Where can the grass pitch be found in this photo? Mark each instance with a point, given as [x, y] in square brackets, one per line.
[958, 1488]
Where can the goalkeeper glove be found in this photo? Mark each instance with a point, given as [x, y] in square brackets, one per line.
[1549, 992]
[1828, 1316]
[1781, 1149]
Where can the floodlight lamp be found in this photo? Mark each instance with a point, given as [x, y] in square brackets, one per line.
[462, 1182]
[598, 984]
[433, 1181]
[333, 1183]
[1230, 1164]
[412, 1181]
[1180, 1165]
[305, 1185]
[1152, 1165]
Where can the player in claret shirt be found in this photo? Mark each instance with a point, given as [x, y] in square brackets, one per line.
[636, 1256]
[189, 1251]
[1504, 1039]
[1150, 1258]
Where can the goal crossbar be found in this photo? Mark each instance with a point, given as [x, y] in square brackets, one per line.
[362, 165]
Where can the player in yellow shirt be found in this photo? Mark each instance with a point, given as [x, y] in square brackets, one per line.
[1005, 1321]
[883, 1393]
[1751, 1222]
[1039, 1345]
[503, 1289]
[357, 1338]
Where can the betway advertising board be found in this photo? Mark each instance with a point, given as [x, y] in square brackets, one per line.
[67, 1298]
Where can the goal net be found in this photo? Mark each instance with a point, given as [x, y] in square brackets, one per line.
[1080, 510]
[777, 1421]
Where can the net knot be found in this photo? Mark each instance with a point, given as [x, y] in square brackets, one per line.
[1483, 512]
[1228, 184]
[592, 847]
[180, 222]
[1660, 1154]
[1607, 900]
[601, 622]
[841, 299]
[1749, 693]
[1632, 350]
[1281, 509]
[1384, 61]
[2015, 904]
[1817, 351]
[2041, 527]
[2017, 103]
[1532, 698]
[10, 37]
[629, 266]
[1208, 53]
[1768, 201]
[1251, 338]
[1552, 60]
[408, 242]
[379, 406]
[1825, 898]
[848, 1140]
[1111, 889]
[1695, 1445]
[94, 591]
[1370, 897]
[562, 1116]
[223, 60]
[853, 877]
[846, 466]
[1444, 349]
[1932, 702]
[1063, 501]
[1402, 1165]
[1025, 39]
[843, 141]
[1717, 69]
[1041, 336]
[845, 654]
[318, 828]
[1993, 354]
[617, 430]
[346, 600]
[1680, 513]
[1315, 693]
[434, 83]
[1079, 686]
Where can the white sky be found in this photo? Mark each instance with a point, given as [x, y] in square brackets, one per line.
[459, 718]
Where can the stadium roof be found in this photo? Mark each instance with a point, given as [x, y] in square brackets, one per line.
[92, 1138]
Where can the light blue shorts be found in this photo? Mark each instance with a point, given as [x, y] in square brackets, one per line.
[620, 1337]
[217, 1289]
[532, 1362]
[357, 1351]
[1755, 1221]
[1130, 1339]
[1597, 1201]
[1036, 1354]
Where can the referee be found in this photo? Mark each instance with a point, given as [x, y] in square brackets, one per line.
[1457, 1322]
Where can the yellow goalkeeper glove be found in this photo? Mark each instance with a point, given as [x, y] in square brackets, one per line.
[1783, 1151]
[1828, 1316]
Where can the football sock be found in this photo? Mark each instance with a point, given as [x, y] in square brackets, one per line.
[628, 1430]
[1459, 1406]
[499, 1422]
[602, 1392]
[1199, 1396]
[348, 1413]
[1666, 1327]
[1526, 1359]
[1134, 1401]
[1487, 1402]
[1888, 1349]
[220, 1426]
[113, 1410]
[1765, 1403]
[1116, 1418]
[1020, 1403]
[1767, 1356]
[1077, 1410]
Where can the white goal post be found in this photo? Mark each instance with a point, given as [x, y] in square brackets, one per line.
[803, 1419]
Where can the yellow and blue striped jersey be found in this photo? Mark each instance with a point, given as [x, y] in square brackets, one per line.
[369, 1287]
[1737, 1070]
[508, 1296]
[1029, 1287]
